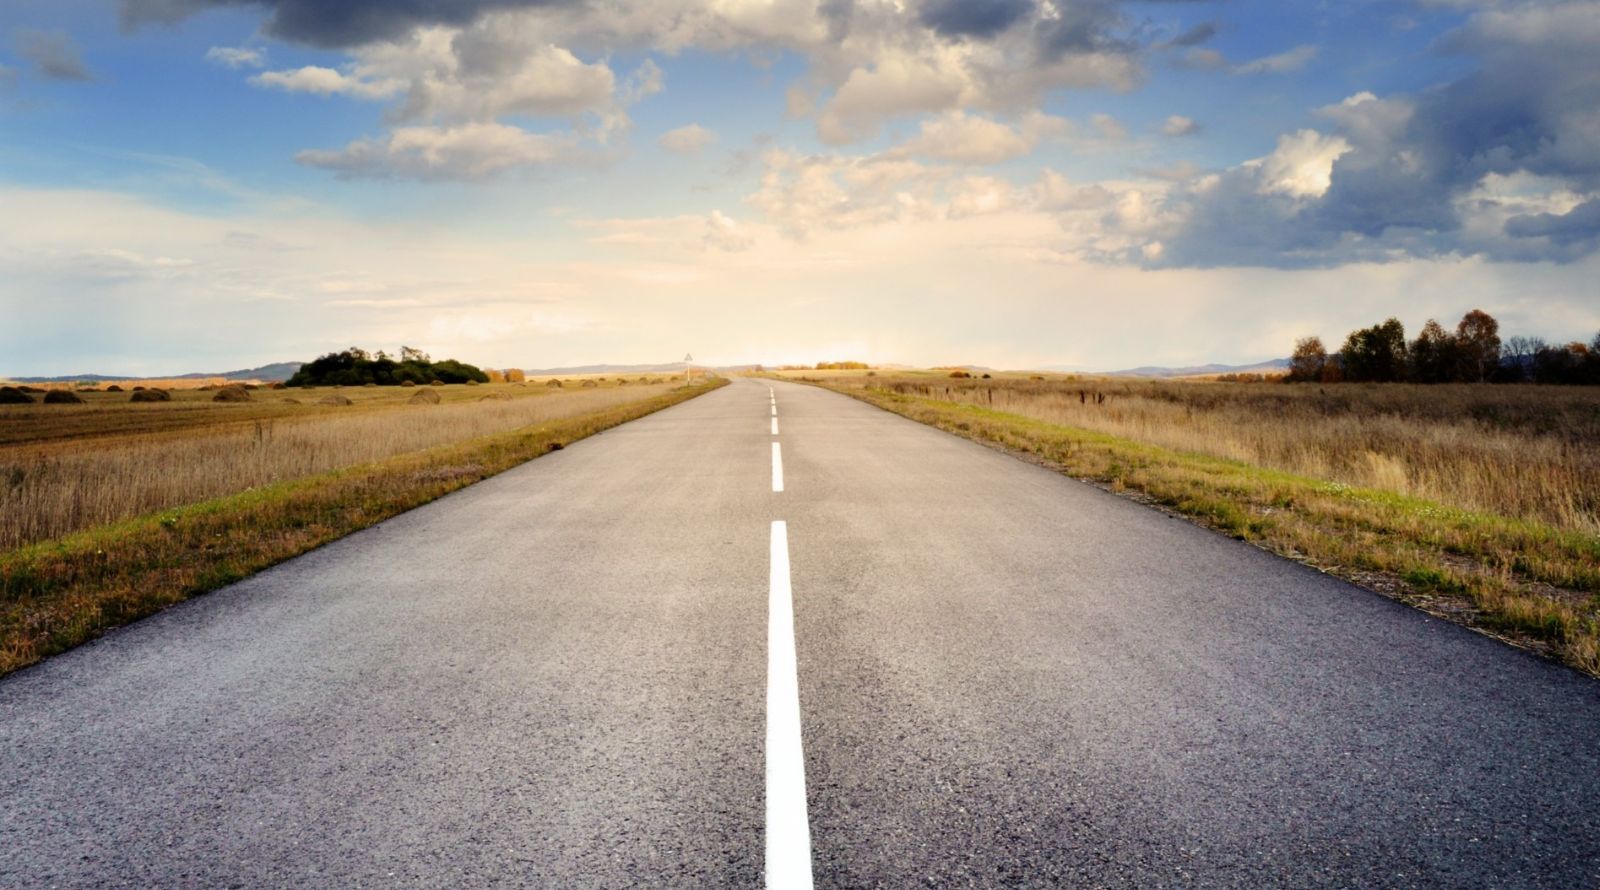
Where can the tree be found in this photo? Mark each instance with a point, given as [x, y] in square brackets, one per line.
[1477, 346]
[1433, 357]
[407, 354]
[1516, 359]
[1375, 354]
[1309, 361]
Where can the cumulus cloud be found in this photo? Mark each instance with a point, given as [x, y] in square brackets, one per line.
[53, 54]
[237, 56]
[687, 140]
[972, 139]
[328, 82]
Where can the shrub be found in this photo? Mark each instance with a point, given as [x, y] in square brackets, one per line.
[10, 395]
[62, 397]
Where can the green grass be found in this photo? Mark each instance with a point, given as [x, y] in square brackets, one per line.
[1523, 580]
[61, 593]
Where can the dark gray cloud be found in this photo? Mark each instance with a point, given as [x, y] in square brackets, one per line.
[335, 23]
[973, 18]
[1461, 169]
[53, 54]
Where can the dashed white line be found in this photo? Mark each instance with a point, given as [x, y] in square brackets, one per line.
[774, 426]
[788, 863]
[777, 468]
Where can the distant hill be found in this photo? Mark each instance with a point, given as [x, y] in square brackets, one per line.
[269, 373]
[1267, 367]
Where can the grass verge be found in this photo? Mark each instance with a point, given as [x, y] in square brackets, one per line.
[1523, 581]
[58, 594]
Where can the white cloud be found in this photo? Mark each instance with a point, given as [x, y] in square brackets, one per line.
[467, 151]
[328, 82]
[1281, 63]
[972, 139]
[687, 140]
[1177, 126]
[1302, 164]
[237, 56]
[725, 233]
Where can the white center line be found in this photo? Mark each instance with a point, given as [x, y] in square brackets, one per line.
[777, 468]
[788, 862]
[774, 426]
[774, 409]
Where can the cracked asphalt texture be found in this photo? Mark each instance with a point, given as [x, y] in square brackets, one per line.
[556, 677]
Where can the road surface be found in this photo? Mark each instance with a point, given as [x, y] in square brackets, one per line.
[636, 662]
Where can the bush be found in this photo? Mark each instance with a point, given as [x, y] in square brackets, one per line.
[62, 397]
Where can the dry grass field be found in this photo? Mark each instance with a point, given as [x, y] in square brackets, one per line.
[64, 468]
[144, 505]
[1480, 503]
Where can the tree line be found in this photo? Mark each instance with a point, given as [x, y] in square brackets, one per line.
[1473, 353]
[357, 367]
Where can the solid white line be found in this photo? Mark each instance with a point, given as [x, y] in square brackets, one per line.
[777, 468]
[788, 863]
[774, 426]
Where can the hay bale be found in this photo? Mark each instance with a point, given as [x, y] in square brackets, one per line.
[290, 401]
[408, 383]
[589, 384]
[554, 384]
[497, 396]
[150, 395]
[231, 394]
[622, 381]
[26, 388]
[472, 383]
[10, 395]
[113, 388]
[334, 400]
[369, 384]
[424, 397]
[436, 383]
[62, 397]
[278, 385]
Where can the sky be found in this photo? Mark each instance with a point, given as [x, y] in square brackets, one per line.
[204, 185]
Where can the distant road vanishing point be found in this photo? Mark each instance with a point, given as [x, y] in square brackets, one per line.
[774, 635]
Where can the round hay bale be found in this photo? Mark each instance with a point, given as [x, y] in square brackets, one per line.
[290, 401]
[113, 388]
[472, 383]
[622, 381]
[497, 396]
[555, 384]
[589, 384]
[424, 397]
[436, 383]
[231, 394]
[369, 384]
[150, 395]
[408, 383]
[62, 397]
[26, 388]
[278, 385]
[334, 400]
[10, 395]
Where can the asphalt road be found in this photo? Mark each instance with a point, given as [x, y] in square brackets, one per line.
[567, 676]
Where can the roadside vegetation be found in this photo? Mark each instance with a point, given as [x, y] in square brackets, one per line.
[121, 518]
[1478, 503]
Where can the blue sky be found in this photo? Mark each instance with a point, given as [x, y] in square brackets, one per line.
[199, 184]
